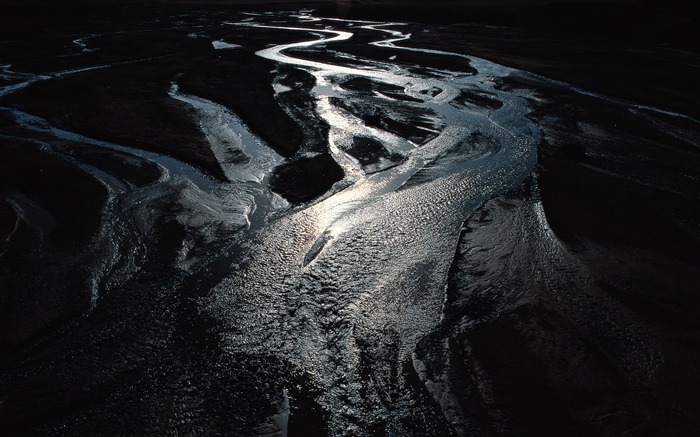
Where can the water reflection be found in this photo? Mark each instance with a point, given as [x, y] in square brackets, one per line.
[360, 271]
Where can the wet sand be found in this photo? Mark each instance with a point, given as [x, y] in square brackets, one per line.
[588, 321]
[583, 317]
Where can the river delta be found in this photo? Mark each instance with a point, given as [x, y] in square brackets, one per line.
[289, 223]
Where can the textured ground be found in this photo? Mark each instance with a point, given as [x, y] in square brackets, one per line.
[222, 222]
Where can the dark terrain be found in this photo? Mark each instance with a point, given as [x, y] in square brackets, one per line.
[152, 284]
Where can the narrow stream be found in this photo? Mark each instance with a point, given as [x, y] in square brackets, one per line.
[347, 286]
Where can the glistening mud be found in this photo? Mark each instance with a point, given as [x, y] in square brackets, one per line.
[265, 223]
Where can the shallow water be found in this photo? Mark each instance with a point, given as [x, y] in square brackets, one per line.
[216, 306]
[364, 270]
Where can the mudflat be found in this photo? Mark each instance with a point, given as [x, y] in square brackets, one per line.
[357, 220]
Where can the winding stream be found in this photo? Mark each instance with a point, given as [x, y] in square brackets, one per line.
[347, 286]
[344, 287]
